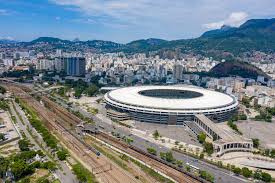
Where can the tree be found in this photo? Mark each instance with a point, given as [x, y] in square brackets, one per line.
[169, 156]
[2, 137]
[91, 90]
[25, 180]
[246, 102]
[4, 163]
[207, 176]
[242, 117]
[49, 165]
[188, 168]
[151, 150]
[62, 154]
[4, 105]
[24, 145]
[266, 177]
[201, 155]
[2, 90]
[16, 100]
[232, 125]
[237, 170]
[156, 134]
[19, 169]
[179, 163]
[257, 175]
[256, 143]
[201, 137]
[208, 148]
[272, 153]
[80, 173]
[246, 172]
[77, 93]
[162, 155]
[129, 140]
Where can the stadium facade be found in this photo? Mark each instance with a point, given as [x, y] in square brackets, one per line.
[172, 105]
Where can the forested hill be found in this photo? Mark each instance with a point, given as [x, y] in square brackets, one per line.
[253, 35]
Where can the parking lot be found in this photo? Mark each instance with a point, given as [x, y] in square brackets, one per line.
[264, 131]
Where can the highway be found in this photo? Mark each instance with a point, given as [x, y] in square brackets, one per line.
[221, 175]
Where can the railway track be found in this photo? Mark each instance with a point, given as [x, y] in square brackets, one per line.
[175, 174]
[55, 123]
[61, 121]
[171, 172]
[60, 110]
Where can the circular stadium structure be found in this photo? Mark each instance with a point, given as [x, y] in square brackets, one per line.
[172, 105]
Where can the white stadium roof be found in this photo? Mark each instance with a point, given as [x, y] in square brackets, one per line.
[209, 100]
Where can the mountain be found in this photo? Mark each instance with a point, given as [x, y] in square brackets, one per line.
[143, 45]
[49, 40]
[7, 41]
[236, 68]
[215, 33]
[253, 35]
[103, 45]
[48, 43]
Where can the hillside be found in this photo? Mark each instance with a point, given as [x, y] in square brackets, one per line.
[236, 68]
[253, 35]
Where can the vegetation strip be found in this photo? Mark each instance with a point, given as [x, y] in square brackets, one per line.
[143, 166]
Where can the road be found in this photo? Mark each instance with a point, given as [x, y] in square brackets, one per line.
[63, 173]
[221, 175]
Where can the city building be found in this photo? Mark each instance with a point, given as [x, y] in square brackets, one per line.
[75, 66]
[224, 141]
[2, 56]
[45, 64]
[59, 64]
[177, 71]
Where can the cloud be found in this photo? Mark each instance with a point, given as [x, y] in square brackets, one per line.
[7, 38]
[123, 10]
[235, 19]
[5, 12]
[57, 18]
[162, 18]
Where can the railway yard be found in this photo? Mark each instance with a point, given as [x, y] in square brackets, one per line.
[62, 124]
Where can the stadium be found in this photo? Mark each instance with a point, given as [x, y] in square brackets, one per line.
[172, 105]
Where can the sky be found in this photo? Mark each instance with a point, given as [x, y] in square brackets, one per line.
[124, 20]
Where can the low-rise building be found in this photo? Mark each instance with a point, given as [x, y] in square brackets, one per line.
[224, 141]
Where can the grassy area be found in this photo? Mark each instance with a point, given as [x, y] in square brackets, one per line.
[124, 158]
[37, 123]
[82, 174]
[20, 117]
[92, 110]
[56, 181]
[151, 172]
[116, 160]
[13, 118]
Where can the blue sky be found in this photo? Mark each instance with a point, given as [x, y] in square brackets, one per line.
[124, 20]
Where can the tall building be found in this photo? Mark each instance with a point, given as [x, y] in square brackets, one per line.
[45, 64]
[59, 64]
[75, 66]
[59, 52]
[177, 71]
[2, 55]
[16, 55]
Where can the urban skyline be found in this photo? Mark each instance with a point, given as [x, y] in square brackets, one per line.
[141, 91]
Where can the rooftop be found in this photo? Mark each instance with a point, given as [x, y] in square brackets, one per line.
[189, 97]
[225, 133]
